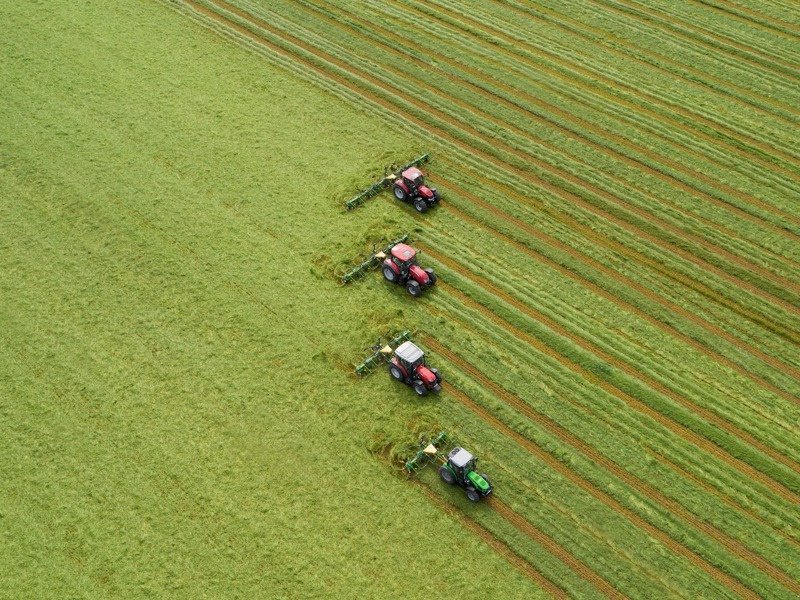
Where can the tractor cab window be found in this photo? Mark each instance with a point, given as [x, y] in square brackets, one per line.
[403, 264]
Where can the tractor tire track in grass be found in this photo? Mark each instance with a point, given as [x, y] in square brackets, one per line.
[602, 496]
[332, 60]
[668, 423]
[733, 545]
[654, 17]
[478, 82]
[541, 538]
[623, 365]
[647, 56]
[496, 544]
[396, 97]
[599, 267]
[597, 80]
[786, 535]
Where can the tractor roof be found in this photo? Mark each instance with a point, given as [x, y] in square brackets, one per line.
[412, 173]
[409, 352]
[460, 458]
[403, 252]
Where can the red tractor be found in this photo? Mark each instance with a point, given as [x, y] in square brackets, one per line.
[401, 267]
[408, 365]
[410, 187]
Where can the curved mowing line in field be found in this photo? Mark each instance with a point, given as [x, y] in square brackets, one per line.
[754, 56]
[621, 364]
[735, 546]
[597, 80]
[396, 96]
[481, 85]
[653, 59]
[603, 496]
[635, 404]
[497, 545]
[431, 112]
[599, 267]
[749, 17]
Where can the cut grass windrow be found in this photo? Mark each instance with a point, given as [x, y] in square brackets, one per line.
[735, 546]
[753, 16]
[625, 366]
[496, 544]
[648, 56]
[599, 284]
[521, 167]
[603, 496]
[717, 43]
[668, 422]
[607, 86]
[469, 145]
[493, 90]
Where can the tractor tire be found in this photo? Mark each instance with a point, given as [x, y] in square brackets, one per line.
[420, 205]
[431, 275]
[435, 371]
[447, 475]
[396, 373]
[399, 193]
[473, 494]
[436, 195]
[420, 388]
[390, 275]
[414, 288]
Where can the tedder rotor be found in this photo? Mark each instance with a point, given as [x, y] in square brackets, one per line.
[456, 467]
[407, 183]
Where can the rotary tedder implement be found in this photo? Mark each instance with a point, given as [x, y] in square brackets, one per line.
[408, 184]
[373, 261]
[381, 353]
[456, 467]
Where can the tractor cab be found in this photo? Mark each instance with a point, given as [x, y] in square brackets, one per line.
[413, 178]
[409, 356]
[403, 256]
[463, 462]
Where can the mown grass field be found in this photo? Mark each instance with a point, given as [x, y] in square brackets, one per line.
[617, 315]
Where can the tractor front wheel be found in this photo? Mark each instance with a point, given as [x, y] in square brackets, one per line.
[396, 373]
[389, 274]
[420, 205]
[420, 388]
[473, 494]
[399, 193]
[431, 276]
[414, 288]
[447, 475]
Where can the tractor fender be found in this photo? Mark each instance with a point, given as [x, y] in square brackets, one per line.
[391, 265]
[401, 184]
[397, 364]
[418, 274]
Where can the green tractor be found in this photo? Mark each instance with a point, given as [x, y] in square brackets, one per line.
[459, 469]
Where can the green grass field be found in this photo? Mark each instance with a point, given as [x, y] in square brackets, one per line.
[617, 317]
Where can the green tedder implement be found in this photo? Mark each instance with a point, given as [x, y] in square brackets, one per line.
[391, 175]
[381, 352]
[373, 261]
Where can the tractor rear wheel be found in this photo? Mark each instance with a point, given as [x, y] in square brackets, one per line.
[447, 475]
[399, 193]
[420, 388]
[473, 494]
[396, 373]
[414, 288]
[420, 205]
[389, 274]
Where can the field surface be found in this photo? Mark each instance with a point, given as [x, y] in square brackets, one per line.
[617, 316]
